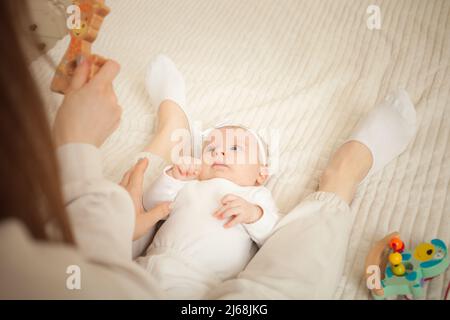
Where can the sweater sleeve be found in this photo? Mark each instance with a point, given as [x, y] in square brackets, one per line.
[33, 269]
[102, 218]
[101, 212]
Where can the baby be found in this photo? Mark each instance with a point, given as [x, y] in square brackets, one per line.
[220, 210]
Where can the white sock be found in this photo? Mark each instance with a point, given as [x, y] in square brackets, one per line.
[387, 129]
[165, 82]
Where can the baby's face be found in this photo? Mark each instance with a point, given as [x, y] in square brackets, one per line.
[232, 153]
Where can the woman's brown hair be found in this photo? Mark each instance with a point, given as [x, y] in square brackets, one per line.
[30, 188]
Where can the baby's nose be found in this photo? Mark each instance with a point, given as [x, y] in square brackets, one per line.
[219, 155]
[220, 152]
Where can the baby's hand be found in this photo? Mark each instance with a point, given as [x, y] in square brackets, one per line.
[187, 169]
[238, 211]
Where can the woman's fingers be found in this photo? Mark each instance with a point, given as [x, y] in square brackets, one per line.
[81, 76]
[89, 113]
[126, 179]
[137, 175]
[161, 211]
[133, 183]
[147, 220]
[106, 74]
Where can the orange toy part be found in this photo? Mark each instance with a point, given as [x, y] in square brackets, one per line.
[92, 14]
[397, 245]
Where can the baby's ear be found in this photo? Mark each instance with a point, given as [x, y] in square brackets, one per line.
[263, 175]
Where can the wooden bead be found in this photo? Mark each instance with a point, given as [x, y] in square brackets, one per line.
[396, 244]
[399, 270]
[395, 258]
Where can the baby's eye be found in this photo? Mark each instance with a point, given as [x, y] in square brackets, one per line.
[210, 148]
[235, 148]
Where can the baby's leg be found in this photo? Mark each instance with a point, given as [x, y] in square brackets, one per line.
[170, 119]
[166, 88]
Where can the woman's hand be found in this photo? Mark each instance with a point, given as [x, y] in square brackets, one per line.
[237, 210]
[133, 183]
[89, 113]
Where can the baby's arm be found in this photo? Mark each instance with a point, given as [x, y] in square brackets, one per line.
[258, 215]
[260, 230]
[172, 181]
[165, 188]
[187, 169]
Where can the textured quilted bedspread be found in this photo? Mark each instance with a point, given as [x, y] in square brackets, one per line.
[310, 70]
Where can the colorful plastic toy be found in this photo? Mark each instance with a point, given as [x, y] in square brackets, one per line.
[404, 273]
[395, 258]
[396, 244]
[92, 14]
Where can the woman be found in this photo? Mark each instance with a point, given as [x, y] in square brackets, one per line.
[56, 223]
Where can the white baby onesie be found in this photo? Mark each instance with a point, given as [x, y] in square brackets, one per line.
[192, 251]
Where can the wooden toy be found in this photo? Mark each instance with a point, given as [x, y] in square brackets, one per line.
[92, 14]
[404, 273]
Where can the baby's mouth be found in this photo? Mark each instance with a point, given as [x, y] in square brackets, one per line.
[218, 165]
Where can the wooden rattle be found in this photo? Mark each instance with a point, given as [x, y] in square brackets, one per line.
[92, 14]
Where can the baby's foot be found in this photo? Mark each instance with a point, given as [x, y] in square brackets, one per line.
[165, 82]
[387, 129]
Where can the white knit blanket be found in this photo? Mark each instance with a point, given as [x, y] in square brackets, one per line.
[309, 69]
